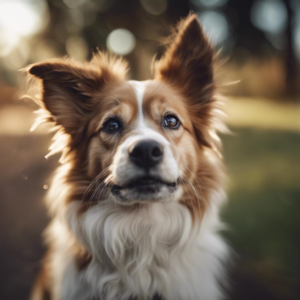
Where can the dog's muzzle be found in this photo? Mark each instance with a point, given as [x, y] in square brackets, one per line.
[145, 180]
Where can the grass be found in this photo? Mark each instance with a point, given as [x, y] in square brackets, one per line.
[264, 205]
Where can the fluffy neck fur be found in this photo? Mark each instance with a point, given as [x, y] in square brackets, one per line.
[136, 251]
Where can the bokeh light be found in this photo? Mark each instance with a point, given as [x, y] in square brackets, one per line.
[19, 19]
[269, 15]
[208, 3]
[215, 25]
[155, 7]
[121, 41]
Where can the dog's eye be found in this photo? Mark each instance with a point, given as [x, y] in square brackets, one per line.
[112, 125]
[171, 122]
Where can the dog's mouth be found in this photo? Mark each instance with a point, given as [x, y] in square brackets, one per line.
[144, 184]
[144, 188]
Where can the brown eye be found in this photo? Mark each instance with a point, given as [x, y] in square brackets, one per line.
[112, 125]
[171, 122]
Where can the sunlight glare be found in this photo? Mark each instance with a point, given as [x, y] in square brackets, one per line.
[21, 17]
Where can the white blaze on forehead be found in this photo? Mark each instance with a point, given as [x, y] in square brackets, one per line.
[139, 89]
[144, 131]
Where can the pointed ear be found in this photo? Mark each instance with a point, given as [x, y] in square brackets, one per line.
[68, 89]
[188, 65]
[188, 60]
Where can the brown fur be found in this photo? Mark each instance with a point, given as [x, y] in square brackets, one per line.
[188, 66]
[78, 97]
[82, 259]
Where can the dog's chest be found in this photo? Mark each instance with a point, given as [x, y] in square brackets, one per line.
[181, 277]
[134, 256]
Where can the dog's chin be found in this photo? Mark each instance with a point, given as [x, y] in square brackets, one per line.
[145, 190]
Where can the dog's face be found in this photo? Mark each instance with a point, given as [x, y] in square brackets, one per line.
[144, 141]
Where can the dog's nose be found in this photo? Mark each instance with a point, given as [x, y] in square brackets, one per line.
[146, 153]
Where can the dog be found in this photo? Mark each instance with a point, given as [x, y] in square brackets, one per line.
[135, 202]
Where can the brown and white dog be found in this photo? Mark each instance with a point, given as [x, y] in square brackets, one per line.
[135, 203]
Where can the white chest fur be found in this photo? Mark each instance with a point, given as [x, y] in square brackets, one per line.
[154, 249]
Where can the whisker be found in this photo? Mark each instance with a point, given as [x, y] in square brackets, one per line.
[94, 181]
[96, 191]
[107, 184]
[201, 187]
[191, 202]
[194, 190]
[197, 177]
[105, 188]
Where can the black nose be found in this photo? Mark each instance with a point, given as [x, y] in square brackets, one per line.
[146, 153]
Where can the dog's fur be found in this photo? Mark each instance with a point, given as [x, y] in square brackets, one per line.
[124, 244]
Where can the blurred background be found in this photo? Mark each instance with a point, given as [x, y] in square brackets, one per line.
[260, 38]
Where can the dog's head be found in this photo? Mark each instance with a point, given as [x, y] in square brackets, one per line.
[144, 141]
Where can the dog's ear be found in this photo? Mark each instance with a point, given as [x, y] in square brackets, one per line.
[65, 91]
[188, 60]
[188, 65]
[68, 89]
